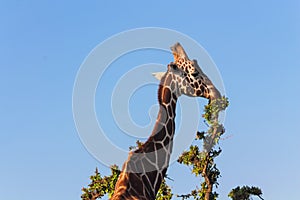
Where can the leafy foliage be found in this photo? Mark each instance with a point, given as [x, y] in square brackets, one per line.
[101, 186]
[202, 162]
[244, 193]
[164, 192]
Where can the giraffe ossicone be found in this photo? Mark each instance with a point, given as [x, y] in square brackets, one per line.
[145, 168]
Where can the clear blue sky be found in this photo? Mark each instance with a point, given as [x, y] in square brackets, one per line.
[255, 44]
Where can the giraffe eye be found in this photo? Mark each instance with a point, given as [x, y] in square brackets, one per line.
[174, 66]
[195, 73]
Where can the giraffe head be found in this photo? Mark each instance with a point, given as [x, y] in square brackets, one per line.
[188, 77]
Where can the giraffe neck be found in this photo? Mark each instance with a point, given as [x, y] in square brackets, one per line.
[146, 167]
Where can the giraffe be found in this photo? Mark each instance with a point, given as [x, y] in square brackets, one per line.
[145, 168]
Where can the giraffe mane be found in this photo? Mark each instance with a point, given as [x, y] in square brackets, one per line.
[160, 88]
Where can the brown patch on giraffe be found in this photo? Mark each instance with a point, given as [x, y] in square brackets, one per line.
[166, 95]
[202, 88]
[158, 146]
[149, 146]
[166, 141]
[160, 135]
[135, 182]
[152, 175]
[170, 126]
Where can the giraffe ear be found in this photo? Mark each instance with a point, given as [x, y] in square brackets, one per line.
[158, 75]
